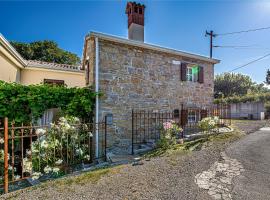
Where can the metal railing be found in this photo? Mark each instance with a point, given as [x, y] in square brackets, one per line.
[47, 152]
[147, 124]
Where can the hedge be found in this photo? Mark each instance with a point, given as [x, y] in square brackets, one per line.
[26, 103]
[255, 97]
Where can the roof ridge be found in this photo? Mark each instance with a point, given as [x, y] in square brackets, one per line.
[53, 65]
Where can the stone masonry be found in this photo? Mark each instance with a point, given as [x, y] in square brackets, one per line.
[142, 79]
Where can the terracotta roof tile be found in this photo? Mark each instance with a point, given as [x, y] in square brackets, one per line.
[55, 66]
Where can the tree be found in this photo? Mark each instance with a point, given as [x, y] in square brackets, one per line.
[267, 79]
[47, 51]
[236, 84]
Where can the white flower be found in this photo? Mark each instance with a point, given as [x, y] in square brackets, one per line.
[34, 147]
[90, 134]
[55, 170]
[44, 144]
[17, 177]
[28, 152]
[2, 141]
[36, 175]
[79, 152]
[47, 169]
[76, 119]
[62, 119]
[59, 162]
[10, 167]
[27, 165]
[87, 157]
[40, 131]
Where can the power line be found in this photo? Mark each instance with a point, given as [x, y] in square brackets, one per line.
[253, 61]
[231, 46]
[244, 31]
[256, 47]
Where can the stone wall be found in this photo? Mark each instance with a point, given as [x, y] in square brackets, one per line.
[142, 79]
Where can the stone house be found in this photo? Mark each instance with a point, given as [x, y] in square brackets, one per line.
[132, 74]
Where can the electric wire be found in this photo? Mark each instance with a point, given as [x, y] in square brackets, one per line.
[253, 61]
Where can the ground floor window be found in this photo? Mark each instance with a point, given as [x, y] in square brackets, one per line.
[192, 116]
[54, 82]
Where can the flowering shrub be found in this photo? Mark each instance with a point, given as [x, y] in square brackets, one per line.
[65, 143]
[208, 123]
[169, 132]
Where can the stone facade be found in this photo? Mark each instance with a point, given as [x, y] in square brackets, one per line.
[137, 78]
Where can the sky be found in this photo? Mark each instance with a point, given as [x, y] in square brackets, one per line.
[175, 24]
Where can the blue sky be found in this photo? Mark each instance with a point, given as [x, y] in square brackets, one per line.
[176, 24]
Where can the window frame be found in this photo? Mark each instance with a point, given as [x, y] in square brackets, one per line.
[194, 116]
[190, 77]
[54, 82]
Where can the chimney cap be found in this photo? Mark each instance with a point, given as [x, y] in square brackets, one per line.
[134, 3]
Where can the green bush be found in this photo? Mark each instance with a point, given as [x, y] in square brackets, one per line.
[26, 103]
[208, 123]
[169, 132]
[253, 97]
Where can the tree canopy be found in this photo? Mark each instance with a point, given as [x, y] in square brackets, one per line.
[267, 78]
[45, 50]
[236, 84]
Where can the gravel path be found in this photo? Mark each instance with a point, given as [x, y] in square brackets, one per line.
[168, 177]
[253, 152]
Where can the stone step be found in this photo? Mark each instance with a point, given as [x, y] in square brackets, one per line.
[33, 182]
[143, 148]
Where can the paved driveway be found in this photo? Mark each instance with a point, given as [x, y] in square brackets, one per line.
[253, 152]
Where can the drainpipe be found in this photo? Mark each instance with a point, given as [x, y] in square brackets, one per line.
[97, 98]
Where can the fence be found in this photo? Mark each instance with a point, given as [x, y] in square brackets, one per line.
[45, 152]
[146, 125]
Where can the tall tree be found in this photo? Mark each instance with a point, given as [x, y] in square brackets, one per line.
[236, 84]
[267, 79]
[47, 51]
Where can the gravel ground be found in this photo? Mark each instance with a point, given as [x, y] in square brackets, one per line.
[167, 177]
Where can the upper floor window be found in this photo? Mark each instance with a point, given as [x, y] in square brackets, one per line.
[192, 74]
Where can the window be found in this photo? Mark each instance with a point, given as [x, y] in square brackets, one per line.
[176, 113]
[192, 74]
[140, 10]
[54, 82]
[136, 10]
[191, 116]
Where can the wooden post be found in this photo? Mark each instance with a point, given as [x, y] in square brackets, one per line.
[6, 155]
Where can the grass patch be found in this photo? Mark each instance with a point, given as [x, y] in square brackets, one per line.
[65, 183]
[195, 145]
[87, 177]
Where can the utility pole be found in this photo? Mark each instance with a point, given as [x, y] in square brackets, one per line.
[211, 33]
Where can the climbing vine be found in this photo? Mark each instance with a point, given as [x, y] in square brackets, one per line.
[26, 103]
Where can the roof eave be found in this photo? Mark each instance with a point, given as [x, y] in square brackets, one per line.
[151, 46]
[12, 51]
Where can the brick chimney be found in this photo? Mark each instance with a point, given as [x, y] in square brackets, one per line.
[135, 12]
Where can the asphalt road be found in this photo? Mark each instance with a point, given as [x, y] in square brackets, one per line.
[253, 152]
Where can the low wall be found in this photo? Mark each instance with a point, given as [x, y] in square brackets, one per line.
[249, 110]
